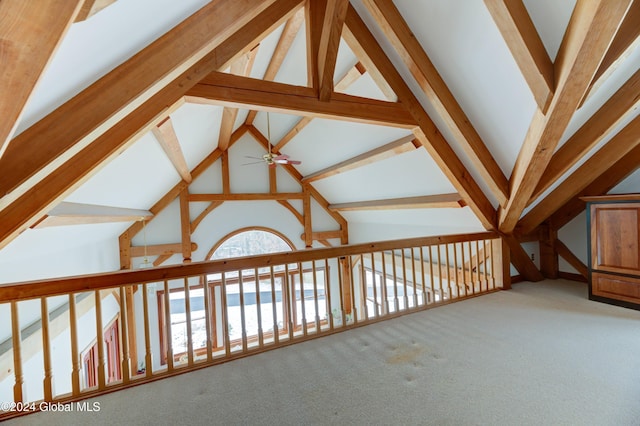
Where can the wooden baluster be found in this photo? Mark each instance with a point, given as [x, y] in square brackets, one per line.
[442, 292]
[463, 269]
[75, 354]
[293, 297]
[327, 291]
[148, 354]
[383, 284]
[413, 274]
[100, 341]
[124, 338]
[303, 308]
[396, 303]
[433, 285]
[315, 295]
[225, 316]
[342, 291]
[16, 334]
[423, 277]
[207, 316]
[478, 266]
[485, 263]
[471, 284]
[167, 322]
[352, 302]
[376, 309]
[287, 290]
[274, 306]
[242, 313]
[447, 266]
[363, 289]
[46, 350]
[405, 297]
[215, 305]
[259, 309]
[455, 268]
[187, 311]
[492, 264]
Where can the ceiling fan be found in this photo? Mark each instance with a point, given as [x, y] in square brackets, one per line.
[271, 159]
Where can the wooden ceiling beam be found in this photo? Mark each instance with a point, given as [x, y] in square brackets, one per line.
[257, 196]
[520, 259]
[211, 207]
[605, 120]
[242, 67]
[229, 90]
[524, 42]
[600, 186]
[289, 32]
[314, 19]
[606, 157]
[591, 28]
[405, 43]
[440, 201]
[287, 205]
[168, 140]
[30, 33]
[91, 7]
[369, 51]
[405, 144]
[67, 213]
[288, 137]
[626, 39]
[333, 21]
[47, 144]
[349, 78]
[571, 258]
[20, 209]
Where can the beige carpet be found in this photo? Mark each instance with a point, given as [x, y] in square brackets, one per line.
[540, 354]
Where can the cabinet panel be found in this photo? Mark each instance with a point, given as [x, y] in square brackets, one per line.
[615, 238]
[616, 287]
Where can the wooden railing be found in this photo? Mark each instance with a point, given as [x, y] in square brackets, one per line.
[65, 340]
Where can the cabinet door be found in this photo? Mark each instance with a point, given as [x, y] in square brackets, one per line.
[615, 237]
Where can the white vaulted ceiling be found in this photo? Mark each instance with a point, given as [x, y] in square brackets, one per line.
[462, 40]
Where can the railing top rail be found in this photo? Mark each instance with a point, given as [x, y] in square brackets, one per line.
[61, 286]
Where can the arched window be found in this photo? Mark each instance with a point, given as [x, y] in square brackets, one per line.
[250, 242]
[268, 303]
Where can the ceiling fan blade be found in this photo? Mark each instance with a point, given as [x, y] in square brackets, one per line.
[281, 157]
[254, 162]
[294, 162]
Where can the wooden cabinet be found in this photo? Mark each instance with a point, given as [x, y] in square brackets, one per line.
[614, 249]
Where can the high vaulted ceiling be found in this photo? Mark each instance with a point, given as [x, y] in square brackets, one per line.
[430, 115]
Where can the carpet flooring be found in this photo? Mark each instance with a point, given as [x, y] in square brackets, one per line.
[540, 354]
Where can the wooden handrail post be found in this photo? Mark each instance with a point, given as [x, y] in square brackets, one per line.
[503, 271]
